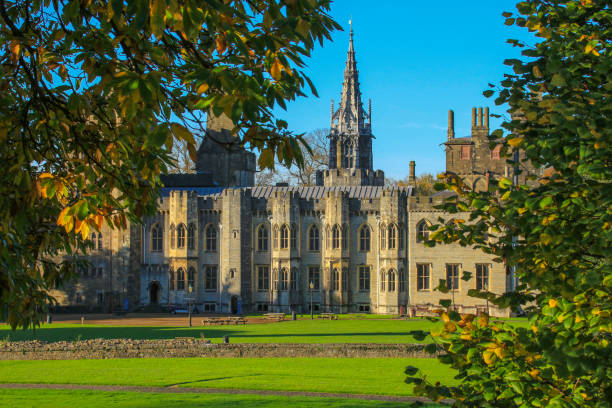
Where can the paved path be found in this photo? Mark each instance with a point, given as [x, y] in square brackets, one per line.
[183, 390]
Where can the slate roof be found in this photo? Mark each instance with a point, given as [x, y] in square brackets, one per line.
[310, 193]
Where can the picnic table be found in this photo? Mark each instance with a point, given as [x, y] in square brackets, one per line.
[330, 316]
[211, 321]
[236, 320]
[274, 316]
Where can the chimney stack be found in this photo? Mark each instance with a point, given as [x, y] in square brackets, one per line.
[474, 118]
[411, 174]
[451, 125]
[480, 117]
[486, 118]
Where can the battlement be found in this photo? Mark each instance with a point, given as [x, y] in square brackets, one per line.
[350, 177]
[237, 192]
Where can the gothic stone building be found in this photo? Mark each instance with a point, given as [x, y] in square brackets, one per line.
[349, 242]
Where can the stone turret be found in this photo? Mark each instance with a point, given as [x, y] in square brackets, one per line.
[223, 157]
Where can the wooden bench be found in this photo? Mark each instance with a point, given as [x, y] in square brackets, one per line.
[330, 316]
[274, 316]
[236, 320]
[211, 321]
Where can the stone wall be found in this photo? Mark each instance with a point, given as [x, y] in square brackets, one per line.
[192, 347]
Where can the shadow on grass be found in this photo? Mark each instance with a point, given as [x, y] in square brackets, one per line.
[203, 380]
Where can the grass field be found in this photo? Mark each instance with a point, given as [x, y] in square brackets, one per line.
[300, 331]
[381, 376]
[101, 399]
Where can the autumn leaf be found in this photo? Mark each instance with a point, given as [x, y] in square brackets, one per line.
[276, 69]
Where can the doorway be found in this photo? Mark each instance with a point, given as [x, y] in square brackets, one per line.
[234, 304]
[154, 291]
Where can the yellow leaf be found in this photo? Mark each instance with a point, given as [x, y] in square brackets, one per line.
[533, 373]
[488, 357]
[466, 336]
[515, 141]
[84, 229]
[98, 221]
[221, 45]
[63, 218]
[45, 175]
[181, 132]
[202, 88]
[450, 327]
[15, 48]
[275, 70]
[522, 210]
[553, 302]
[483, 320]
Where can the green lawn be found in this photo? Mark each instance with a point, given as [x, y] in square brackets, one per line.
[103, 399]
[383, 376]
[300, 331]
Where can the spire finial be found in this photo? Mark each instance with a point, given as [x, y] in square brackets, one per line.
[351, 34]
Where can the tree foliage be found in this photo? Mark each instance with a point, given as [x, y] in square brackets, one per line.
[94, 95]
[423, 183]
[555, 235]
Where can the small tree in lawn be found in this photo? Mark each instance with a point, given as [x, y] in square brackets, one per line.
[556, 237]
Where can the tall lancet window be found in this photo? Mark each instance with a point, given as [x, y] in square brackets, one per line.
[347, 156]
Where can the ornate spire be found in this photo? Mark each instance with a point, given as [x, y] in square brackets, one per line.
[350, 116]
[350, 133]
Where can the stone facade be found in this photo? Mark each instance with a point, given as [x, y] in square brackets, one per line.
[347, 245]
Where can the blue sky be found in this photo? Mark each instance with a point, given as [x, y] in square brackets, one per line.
[416, 61]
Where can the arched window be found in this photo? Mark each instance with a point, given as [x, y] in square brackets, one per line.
[157, 238]
[191, 278]
[402, 280]
[344, 281]
[335, 280]
[180, 279]
[211, 238]
[400, 237]
[180, 236]
[383, 237]
[294, 278]
[93, 239]
[99, 241]
[336, 237]
[275, 238]
[392, 236]
[422, 231]
[345, 230]
[364, 238]
[383, 281]
[191, 236]
[262, 238]
[293, 237]
[172, 236]
[284, 279]
[313, 238]
[391, 280]
[171, 279]
[284, 237]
